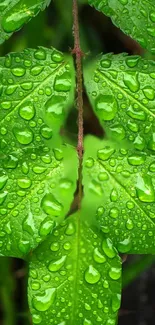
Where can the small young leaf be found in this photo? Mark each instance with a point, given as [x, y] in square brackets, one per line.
[15, 13]
[135, 18]
[75, 277]
[119, 188]
[36, 181]
[121, 90]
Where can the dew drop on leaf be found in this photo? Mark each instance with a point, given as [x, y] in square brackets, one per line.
[24, 183]
[105, 153]
[50, 205]
[44, 301]
[98, 257]
[3, 179]
[145, 189]
[27, 111]
[115, 273]
[62, 82]
[131, 81]
[108, 248]
[24, 136]
[124, 246]
[106, 107]
[46, 226]
[56, 265]
[92, 275]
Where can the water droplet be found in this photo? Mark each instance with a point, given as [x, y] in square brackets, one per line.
[25, 167]
[151, 143]
[114, 195]
[108, 248]
[24, 136]
[151, 167]
[145, 189]
[132, 61]
[3, 179]
[116, 302]
[36, 319]
[27, 111]
[117, 132]
[114, 212]
[44, 301]
[149, 93]
[26, 85]
[24, 182]
[57, 56]
[3, 196]
[24, 246]
[46, 226]
[106, 107]
[139, 143]
[124, 246]
[129, 224]
[98, 257]
[62, 82]
[136, 113]
[10, 162]
[136, 160]
[92, 275]
[70, 230]
[50, 205]
[105, 153]
[56, 265]
[38, 169]
[54, 246]
[115, 273]
[28, 224]
[18, 71]
[87, 322]
[106, 63]
[89, 162]
[131, 81]
[46, 132]
[54, 107]
[40, 54]
[36, 70]
[58, 153]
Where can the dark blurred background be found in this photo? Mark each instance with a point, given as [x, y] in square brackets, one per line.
[53, 27]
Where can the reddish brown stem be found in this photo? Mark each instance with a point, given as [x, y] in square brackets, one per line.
[79, 77]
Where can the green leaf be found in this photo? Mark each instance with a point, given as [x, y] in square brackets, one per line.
[119, 195]
[75, 277]
[15, 13]
[136, 19]
[36, 181]
[121, 90]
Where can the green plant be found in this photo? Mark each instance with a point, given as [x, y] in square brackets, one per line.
[74, 262]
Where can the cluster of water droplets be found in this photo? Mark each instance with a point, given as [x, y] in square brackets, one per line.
[123, 97]
[35, 88]
[15, 14]
[140, 26]
[65, 287]
[122, 182]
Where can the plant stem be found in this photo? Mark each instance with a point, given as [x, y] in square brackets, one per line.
[79, 83]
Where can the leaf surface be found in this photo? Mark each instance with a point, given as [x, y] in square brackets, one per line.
[37, 182]
[119, 195]
[121, 89]
[15, 13]
[75, 277]
[135, 18]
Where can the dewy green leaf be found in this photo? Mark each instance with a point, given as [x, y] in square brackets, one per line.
[75, 277]
[15, 13]
[119, 188]
[36, 182]
[121, 89]
[135, 18]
